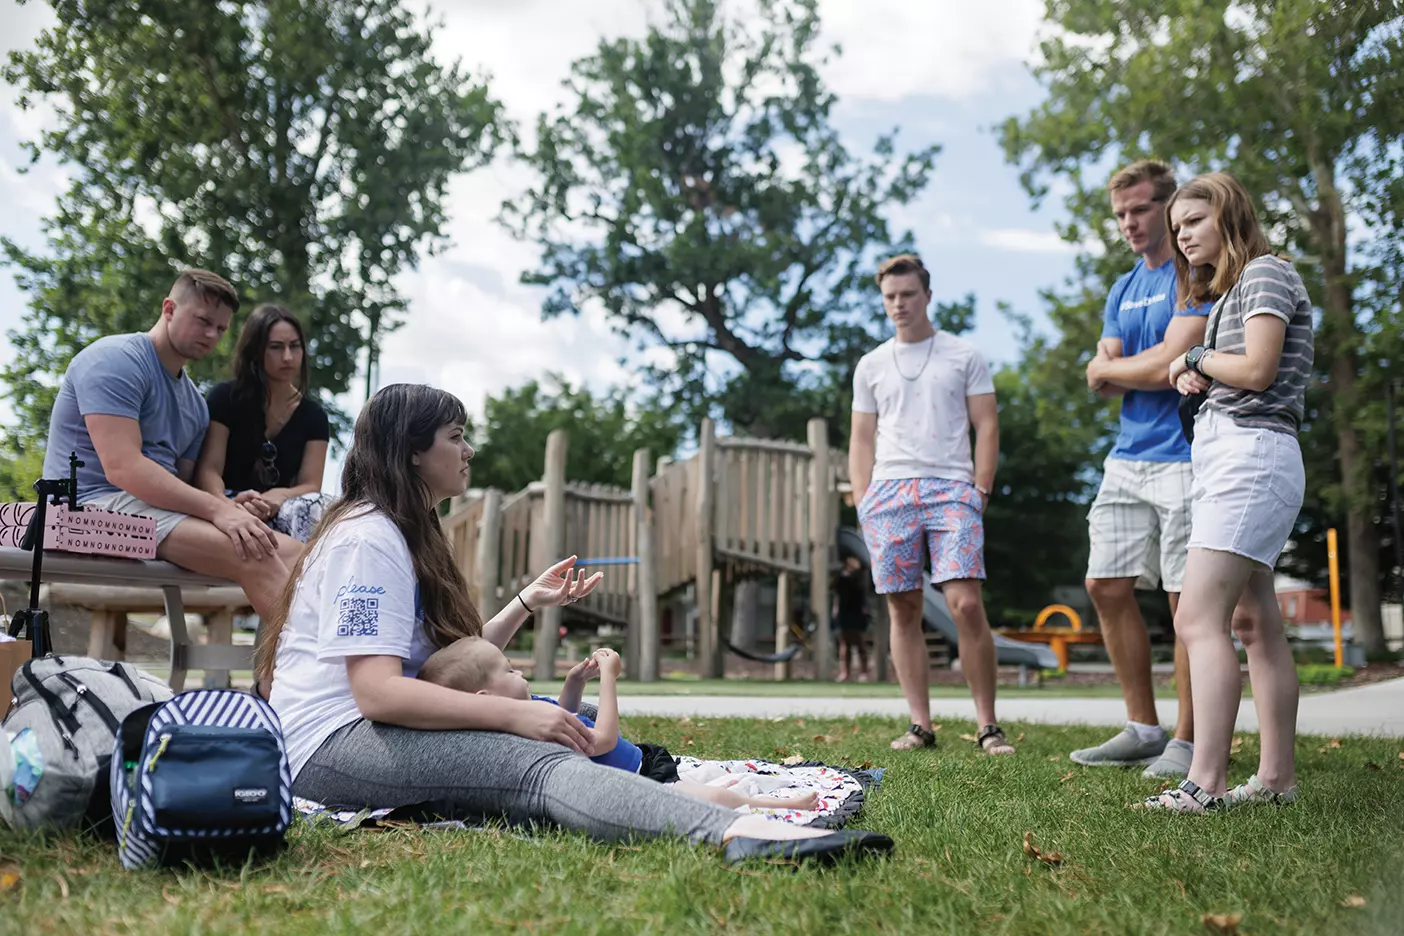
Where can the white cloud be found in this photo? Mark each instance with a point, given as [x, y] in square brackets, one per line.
[528, 46]
[894, 49]
[27, 197]
[473, 342]
[29, 194]
[1027, 240]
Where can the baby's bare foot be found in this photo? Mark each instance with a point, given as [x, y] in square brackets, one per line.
[808, 800]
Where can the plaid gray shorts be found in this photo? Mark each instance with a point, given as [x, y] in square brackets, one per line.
[1139, 525]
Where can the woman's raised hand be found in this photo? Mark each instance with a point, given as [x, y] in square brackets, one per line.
[562, 584]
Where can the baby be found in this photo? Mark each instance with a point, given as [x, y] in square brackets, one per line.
[474, 664]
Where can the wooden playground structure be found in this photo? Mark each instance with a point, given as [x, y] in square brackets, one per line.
[738, 509]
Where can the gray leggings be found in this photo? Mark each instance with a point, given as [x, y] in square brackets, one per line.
[478, 775]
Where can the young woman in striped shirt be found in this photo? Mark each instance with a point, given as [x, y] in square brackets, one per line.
[1248, 486]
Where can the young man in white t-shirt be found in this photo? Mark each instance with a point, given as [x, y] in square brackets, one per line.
[920, 495]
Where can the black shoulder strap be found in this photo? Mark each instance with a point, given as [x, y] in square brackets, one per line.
[1214, 332]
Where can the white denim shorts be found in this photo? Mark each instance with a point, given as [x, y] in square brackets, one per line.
[1248, 488]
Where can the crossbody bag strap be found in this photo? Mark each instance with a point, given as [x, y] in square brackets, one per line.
[1214, 332]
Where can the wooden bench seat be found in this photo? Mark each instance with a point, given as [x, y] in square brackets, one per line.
[120, 586]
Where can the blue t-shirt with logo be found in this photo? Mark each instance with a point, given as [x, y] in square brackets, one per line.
[626, 754]
[1139, 309]
[121, 375]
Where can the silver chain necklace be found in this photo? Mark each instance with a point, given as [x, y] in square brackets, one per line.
[898, 368]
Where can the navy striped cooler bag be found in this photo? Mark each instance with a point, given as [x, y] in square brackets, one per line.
[199, 779]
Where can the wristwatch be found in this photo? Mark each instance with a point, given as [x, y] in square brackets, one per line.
[1194, 357]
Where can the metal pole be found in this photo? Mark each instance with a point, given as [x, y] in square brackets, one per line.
[1335, 570]
[1394, 489]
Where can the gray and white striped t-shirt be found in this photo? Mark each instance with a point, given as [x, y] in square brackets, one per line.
[1268, 286]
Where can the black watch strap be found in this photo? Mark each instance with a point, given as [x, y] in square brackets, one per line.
[1193, 360]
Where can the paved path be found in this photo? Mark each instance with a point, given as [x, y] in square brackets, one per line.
[1376, 709]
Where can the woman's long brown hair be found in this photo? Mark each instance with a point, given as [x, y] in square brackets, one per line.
[1242, 237]
[250, 380]
[399, 422]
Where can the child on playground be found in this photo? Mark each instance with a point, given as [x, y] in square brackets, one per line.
[473, 664]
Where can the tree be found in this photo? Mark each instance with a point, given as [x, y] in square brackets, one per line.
[1036, 534]
[694, 188]
[605, 430]
[18, 474]
[1298, 98]
[300, 147]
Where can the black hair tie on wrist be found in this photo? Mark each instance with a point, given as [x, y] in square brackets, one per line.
[524, 604]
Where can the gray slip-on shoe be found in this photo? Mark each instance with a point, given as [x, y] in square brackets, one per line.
[1124, 750]
[1175, 762]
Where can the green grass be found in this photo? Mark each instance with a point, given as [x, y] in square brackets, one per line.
[1316, 674]
[1051, 689]
[958, 818]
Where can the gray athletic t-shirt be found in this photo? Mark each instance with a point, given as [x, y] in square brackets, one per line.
[1268, 286]
[121, 375]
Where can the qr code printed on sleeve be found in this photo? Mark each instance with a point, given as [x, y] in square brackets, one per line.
[358, 617]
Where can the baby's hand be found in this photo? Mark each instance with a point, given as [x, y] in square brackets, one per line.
[584, 671]
[608, 661]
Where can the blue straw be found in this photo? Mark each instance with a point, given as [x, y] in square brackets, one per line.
[618, 560]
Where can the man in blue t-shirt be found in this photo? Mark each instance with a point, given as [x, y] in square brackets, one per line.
[1139, 525]
[132, 414]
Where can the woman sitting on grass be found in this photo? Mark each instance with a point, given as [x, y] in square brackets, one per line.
[267, 442]
[376, 592]
[1248, 486]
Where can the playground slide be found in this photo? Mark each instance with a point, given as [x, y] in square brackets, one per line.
[938, 618]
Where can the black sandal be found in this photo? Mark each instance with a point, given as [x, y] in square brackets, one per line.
[926, 736]
[992, 733]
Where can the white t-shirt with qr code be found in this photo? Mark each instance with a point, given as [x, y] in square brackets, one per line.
[358, 596]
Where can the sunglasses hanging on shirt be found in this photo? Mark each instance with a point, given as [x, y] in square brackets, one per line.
[266, 468]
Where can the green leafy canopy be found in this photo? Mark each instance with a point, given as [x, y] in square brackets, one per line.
[301, 148]
[694, 188]
[1299, 99]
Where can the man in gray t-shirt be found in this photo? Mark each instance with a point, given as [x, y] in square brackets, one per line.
[129, 410]
[121, 375]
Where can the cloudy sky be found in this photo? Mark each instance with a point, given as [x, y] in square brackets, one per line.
[946, 72]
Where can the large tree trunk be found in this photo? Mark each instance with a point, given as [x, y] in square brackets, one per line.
[1338, 327]
[1362, 538]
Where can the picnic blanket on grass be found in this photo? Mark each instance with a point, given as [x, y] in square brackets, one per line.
[842, 792]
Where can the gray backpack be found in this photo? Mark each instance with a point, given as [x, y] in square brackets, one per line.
[57, 741]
